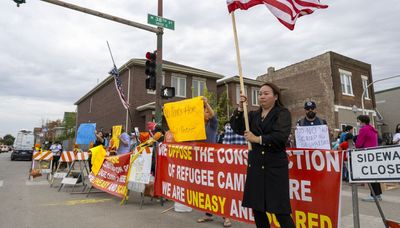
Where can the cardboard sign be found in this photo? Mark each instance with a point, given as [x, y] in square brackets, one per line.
[211, 178]
[98, 155]
[313, 137]
[375, 165]
[186, 119]
[116, 132]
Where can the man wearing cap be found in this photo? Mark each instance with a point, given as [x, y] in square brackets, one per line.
[311, 118]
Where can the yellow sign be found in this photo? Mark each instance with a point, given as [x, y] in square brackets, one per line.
[116, 132]
[98, 155]
[186, 119]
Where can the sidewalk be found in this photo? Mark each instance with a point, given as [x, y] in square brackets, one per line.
[369, 214]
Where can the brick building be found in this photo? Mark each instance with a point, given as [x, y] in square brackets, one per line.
[335, 82]
[102, 106]
[232, 86]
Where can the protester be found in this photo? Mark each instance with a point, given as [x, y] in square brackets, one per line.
[396, 136]
[267, 184]
[231, 137]
[211, 125]
[367, 138]
[99, 139]
[311, 118]
[56, 149]
[124, 143]
[345, 146]
[220, 137]
[347, 129]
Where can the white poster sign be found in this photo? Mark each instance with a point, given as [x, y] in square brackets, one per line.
[313, 137]
[141, 168]
[375, 165]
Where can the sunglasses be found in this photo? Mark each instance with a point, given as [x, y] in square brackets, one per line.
[308, 109]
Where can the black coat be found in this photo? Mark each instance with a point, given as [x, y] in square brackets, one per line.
[267, 183]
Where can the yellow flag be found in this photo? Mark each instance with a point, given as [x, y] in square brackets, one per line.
[186, 119]
[116, 132]
[98, 155]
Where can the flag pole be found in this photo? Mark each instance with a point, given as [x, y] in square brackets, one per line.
[239, 63]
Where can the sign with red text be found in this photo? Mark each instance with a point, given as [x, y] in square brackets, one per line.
[111, 177]
[211, 178]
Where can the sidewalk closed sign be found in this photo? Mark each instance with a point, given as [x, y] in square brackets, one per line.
[375, 165]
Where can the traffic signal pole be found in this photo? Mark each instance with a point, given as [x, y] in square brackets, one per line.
[158, 101]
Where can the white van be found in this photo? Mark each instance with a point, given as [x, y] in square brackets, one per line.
[23, 146]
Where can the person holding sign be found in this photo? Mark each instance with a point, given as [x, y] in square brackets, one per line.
[367, 138]
[267, 183]
[211, 125]
[311, 117]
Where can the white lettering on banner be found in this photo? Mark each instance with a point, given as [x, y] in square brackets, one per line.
[178, 193]
[375, 165]
[162, 150]
[197, 176]
[315, 137]
[166, 188]
[300, 191]
[204, 154]
[235, 183]
[240, 212]
[318, 160]
[232, 156]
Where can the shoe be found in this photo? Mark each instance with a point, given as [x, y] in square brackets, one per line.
[205, 219]
[371, 199]
[227, 223]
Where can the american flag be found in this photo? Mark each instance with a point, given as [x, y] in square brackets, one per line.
[286, 11]
[118, 85]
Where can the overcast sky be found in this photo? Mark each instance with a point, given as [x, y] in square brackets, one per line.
[51, 56]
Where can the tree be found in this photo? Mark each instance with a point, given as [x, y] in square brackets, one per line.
[8, 140]
[220, 106]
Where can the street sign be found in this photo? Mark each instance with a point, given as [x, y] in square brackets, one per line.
[160, 21]
[168, 92]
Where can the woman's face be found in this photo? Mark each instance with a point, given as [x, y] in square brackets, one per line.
[266, 97]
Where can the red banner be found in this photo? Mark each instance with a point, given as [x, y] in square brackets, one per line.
[111, 177]
[211, 178]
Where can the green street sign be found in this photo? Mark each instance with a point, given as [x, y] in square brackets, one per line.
[160, 21]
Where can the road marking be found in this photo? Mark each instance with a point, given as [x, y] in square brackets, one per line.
[33, 183]
[1, 183]
[78, 202]
[385, 198]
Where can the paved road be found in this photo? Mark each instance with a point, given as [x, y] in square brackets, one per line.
[24, 204]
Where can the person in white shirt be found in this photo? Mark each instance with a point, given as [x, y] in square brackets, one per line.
[396, 136]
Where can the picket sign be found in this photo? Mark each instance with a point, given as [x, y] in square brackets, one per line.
[66, 157]
[42, 161]
[80, 160]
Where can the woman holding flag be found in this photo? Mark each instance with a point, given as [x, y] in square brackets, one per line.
[267, 183]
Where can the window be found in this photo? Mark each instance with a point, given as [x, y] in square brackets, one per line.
[90, 104]
[179, 82]
[198, 86]
[365, 86]
[162, 83]
[238, 93]
[254, 96]
[345, 80]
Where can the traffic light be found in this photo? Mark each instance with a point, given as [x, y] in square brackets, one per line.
[19, 2]
[150, 70]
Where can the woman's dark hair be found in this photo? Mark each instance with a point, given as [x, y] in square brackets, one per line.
[398, 128]
[348, 136]
[363, 119]
[348, 128]
[276, 91]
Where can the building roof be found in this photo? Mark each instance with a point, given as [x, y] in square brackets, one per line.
[167, 65]
[235, 78]
[387, 90]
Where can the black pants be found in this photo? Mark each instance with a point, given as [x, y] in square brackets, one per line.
[377, 189]
[261, 220]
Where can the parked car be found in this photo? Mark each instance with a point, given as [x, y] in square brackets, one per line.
[25, 155]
